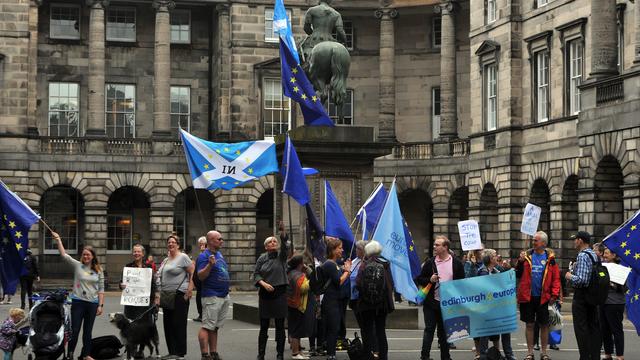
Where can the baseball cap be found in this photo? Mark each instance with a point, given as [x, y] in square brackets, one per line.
[585, 236]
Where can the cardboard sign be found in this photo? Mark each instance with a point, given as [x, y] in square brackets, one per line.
[617, 273]
[469, 235]
[137, 291]
[530, 219]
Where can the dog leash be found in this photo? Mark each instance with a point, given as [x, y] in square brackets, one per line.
[154, 307]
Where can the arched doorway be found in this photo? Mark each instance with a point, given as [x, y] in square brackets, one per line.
[608, 205]
[62, 207]
[569, 207]
[540, 196]
[458, 211]
[193, 216]
[264, 220]
[127, 219]
[417, 208]
[489, 216]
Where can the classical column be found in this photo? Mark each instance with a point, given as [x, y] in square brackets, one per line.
[162, 69]
[604, 38]
[448, 91]
[636, 61]
[221, 122]
[95, 120]
[32, 98]
[387, 94]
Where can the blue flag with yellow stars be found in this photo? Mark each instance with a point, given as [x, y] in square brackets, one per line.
[296, 86]
[625, 242]
[16, 219]
[225, 166]
[633, 299]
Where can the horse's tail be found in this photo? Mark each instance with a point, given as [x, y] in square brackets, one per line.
[340, 71]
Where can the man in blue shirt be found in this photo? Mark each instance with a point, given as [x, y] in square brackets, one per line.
[585, 315]
[214, 277]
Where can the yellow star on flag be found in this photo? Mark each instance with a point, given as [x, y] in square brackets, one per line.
[623, 244]
[295, 89]
[206, 166]
[636, 256]
[294, 70]
[237, 152]
[304, 96]
[633, 227]
[18, 235]
[210, 156]
[218, 151]
[636, 297]
[236, 183]
[4, 216]
[627, 252]
[226, 149]
[18, 246]
[224, 183]
[293, 80]
[12, 224]
[250, 170]
[314, 98]
[411, 248]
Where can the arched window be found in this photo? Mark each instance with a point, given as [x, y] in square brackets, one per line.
[127, 218]
[63, 210]
[193, 216]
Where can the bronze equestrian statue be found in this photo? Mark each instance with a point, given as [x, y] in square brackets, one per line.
[325, 60]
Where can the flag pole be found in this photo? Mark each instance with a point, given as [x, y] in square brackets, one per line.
[46, 225]
[204, 223]
[290, 226]
[354, 241]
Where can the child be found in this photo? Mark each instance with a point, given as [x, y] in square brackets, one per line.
[8, 332]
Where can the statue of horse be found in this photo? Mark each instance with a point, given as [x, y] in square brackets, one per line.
[328, 69]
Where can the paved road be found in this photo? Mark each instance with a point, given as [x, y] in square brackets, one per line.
[238, 340]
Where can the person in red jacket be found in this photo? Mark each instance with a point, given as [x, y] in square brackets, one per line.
[539, 287]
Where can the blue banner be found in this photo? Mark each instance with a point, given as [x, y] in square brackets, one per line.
[479, 306]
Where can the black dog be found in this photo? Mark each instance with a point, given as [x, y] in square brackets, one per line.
[136, 335]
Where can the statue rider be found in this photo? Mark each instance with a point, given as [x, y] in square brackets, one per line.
[319, 23]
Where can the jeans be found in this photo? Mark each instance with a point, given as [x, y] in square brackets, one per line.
[263, 336]
[332, 317]
[433, 320]
[374, 336]
[611, 316]
[586, 326]
[174, 322]
[7, 355]
[82, 311]
[26, 288]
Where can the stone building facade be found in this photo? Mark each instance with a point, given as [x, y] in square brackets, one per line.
[479, 105]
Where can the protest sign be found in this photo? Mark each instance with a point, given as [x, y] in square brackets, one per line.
[479, 306]
[469, 235]
[137, 289]
[617, 273]
[530, 219]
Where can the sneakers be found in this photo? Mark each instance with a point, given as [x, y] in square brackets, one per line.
[536, 347]
[299, 356]
[215, 356]
[554, 347]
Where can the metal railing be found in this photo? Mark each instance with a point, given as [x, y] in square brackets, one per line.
[609, 91]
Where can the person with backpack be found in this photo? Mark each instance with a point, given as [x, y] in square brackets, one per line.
[300, 303]
[585, 312]
[539, 287]
[29, 274]
[440, 268]
[375, 288]
[331, 302]
[612, 314]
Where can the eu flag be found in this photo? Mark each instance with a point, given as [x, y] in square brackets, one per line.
[633, 299]
[16, 219]
[390, 234]
[625, 242]
[293, 180]
[336, 223]
[296, 86]
[225, 166]
[315, 235]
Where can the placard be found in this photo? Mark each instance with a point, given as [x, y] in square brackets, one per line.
[530, 219]
[137, 291]
[617, 273]
[469, 235]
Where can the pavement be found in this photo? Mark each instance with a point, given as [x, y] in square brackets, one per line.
[238, 340]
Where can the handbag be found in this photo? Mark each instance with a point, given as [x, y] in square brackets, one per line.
[168, 297]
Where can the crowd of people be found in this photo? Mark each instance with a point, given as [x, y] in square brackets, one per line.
[314, 295]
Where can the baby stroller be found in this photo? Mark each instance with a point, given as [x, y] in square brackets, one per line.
[50, 320]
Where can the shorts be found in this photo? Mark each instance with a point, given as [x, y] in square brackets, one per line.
[214, 311]
[534, 312]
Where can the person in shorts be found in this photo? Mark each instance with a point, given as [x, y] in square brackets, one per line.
[539, 287]
[213, 273]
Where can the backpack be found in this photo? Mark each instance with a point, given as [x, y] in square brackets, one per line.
[355, 350]
[494, 354]
[598, 288]
[373, 288]
[105, 347]
[318, 282]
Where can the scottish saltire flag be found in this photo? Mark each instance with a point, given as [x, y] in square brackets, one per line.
[282, 27]
[368, 216]
[225, 166]
[296, 86]
[633, 299]
[370, 211]
[390, 233]
[315, 235]
[293, 180]
[16, 219]
[625, 242]
[336, 223]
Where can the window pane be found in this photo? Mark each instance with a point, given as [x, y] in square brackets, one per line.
[63, 109]
[121, 24]
[120, 110]
[347, 25]
[436, 31]
[62, 207]
[347, 110]
[180, 108]
[64, 22]
[180, 26]
[276, 113]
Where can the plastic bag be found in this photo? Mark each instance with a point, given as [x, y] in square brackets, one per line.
[555, 317]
